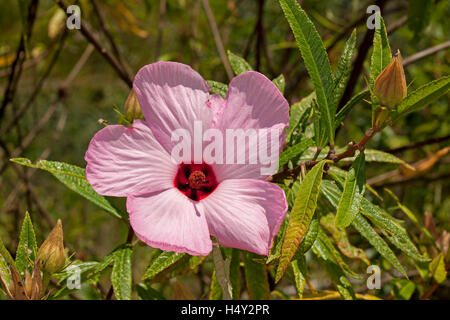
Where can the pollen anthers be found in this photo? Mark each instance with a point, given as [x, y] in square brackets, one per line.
[196, 181]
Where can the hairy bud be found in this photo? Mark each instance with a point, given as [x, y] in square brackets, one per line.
[132, 107]
[390, 85]
[51, 253]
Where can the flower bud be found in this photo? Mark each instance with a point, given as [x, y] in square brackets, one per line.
[51, 253]
[132, 107]
[380, 116]
[390, 85]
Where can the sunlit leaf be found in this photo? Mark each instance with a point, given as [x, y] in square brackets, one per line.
[162, 262]
[354, 188]
[238, 64]
[300, 216]
[72, 177]
[27, 247]
[317, 64]
[121, 276]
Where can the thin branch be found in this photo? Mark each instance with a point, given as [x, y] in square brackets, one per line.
[416, 145]
[102, 50]
[217, 38]
[425, 53]
[110, 38]
[161, 18]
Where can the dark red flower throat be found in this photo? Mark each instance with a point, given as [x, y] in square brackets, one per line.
[196, 181]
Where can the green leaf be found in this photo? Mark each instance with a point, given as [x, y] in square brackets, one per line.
[215, 290]
[256, 277]
[354, 188]
[373, 155]
[336, 255]
[121, 276]
[333, 194]
[218, 88]
[299, 269]
[337, 276]
[161, 263]
[294, 151]
[423, 96]
[300, 216]
[395, 234]
[316, 62]
[309, 238]
[72, 177]
[27, 247]
[437, 269]
[402, 289]
[344, 67]
[366, 230]
[280, 82]
[6, 255]
[340, 116]
[300, 113]
[146, 292]
[238, 64]
[235, 273]
[341, 239]
[381, 54]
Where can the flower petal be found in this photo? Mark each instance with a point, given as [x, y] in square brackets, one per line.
[253, 102]
[172, 95]
[170, 222]
[125, 161]
[245, 213]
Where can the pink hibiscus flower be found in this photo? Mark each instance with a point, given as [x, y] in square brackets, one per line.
[177, 207]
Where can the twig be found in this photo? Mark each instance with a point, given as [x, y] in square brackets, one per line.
[38, 87]
[161, 18]
[419, 144]
[92, 39]
[110, 38]
[14, 76]
[217, 38]
[425, 53]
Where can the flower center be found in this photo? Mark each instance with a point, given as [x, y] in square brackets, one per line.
[195, 181]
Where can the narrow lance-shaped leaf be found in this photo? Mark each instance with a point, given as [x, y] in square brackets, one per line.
[121, 276]
[337, 276]
[396, 234]
[340, 116]
[238, 64]
[256, 277]
[373, 155]
[422, 96]
[300, 216]
[299, 115]
[381, 54]
[27, 247]
[280, 82]
[316, 62]
[344, 67]
[72, 177]
[354, 188]
[366, 230]
[294, 151]
[300, 271]
[161, 263]
[333, 194]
